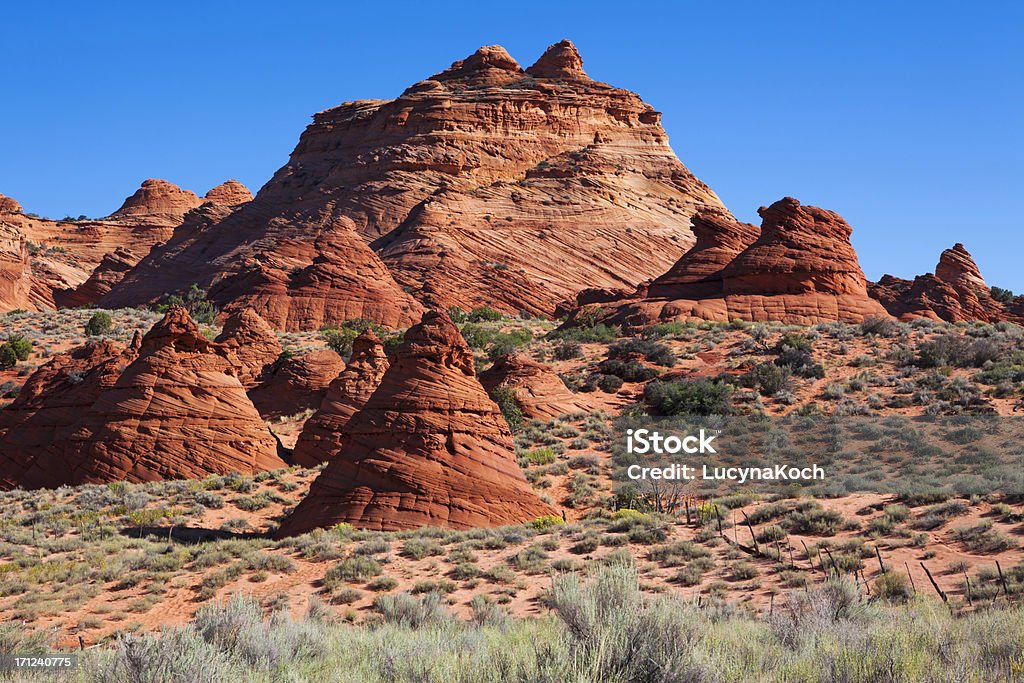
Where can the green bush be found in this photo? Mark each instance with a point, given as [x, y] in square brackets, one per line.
[355, 568]
[100, 323]
[688, 397]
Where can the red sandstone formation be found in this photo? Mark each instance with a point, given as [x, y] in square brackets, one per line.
[483, 184]
[158, 197]
[75, 262]
[8, 205]
[168, 407]
[108, 273]
[538, 390]
[799, 269]
[254, 343]
[229, 193]
[299, 384]
[428, 449]
[956, 292]
[321, 436]
[15, 269]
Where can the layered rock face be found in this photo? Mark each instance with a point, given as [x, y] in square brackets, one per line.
[322, 435]
[428, 449]
[537, 389]
[9, 205]
[15, 269]
[956, 292]
[299, 384]
[523, 187]
[254, 343]
[79, 261]
[170, 406]
[799, 268]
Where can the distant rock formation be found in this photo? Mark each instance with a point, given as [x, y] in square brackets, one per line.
[229, 193]
[8, 205]
[428, 449]
[799, 268]
[169, 406]
[322, 434]
[538, 390]
[158, 197]
[521, 186]
[108, 273]
[15, 269]
[956, 292]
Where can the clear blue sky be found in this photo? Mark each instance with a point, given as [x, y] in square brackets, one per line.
[905, 117]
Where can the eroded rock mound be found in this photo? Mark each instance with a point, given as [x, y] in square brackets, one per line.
[322, 435]
[955, 292]
[158, 197]
[9, 205]
[229, 193]
[254, 343]
[430, 448]
[170, 406]
[523, 187]
[297, 384]
[799, 268]
[537, 389]
[110, 271]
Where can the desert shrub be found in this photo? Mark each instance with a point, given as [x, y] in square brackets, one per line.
[743, 570]
[678, 553]
[587, 333]
[567, 349]
[800, 361]
[654, 352]
[484, 314]
[418, 548]
[403, 609]
[629, 370]
[879, 326]
[506, 399]
[609, 384]
[688, 397]
[893, 587]
[99, 324]
[194, 300]
[355, 568]
[982, 538]
[813, 520]
[769, 378]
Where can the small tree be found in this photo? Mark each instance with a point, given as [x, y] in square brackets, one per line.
[99, 324]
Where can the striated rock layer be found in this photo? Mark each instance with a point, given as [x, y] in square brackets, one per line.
[799, 268]
[75, 262]
[254, 343]
[322, 434]
[428, 449]
[170, 406]
[537, 389]
[521, 186]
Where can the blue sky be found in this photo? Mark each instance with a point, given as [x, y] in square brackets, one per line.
[903, 117]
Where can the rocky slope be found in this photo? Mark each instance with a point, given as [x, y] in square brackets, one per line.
[322, 434]
[523, 186]
[799, 268]
[428, 449]
[169, 406]
[297, 384]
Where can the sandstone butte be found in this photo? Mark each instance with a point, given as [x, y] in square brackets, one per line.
[429, 448]
[798, 268]
[169, 406]
[76, 262]
[537, 389]
[483, 184]
[322, 434]
[955, 292]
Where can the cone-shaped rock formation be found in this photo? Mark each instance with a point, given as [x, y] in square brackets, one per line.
[297, 384]
[254, 343]
[321, 436]
[430, 448]
[170, 406]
